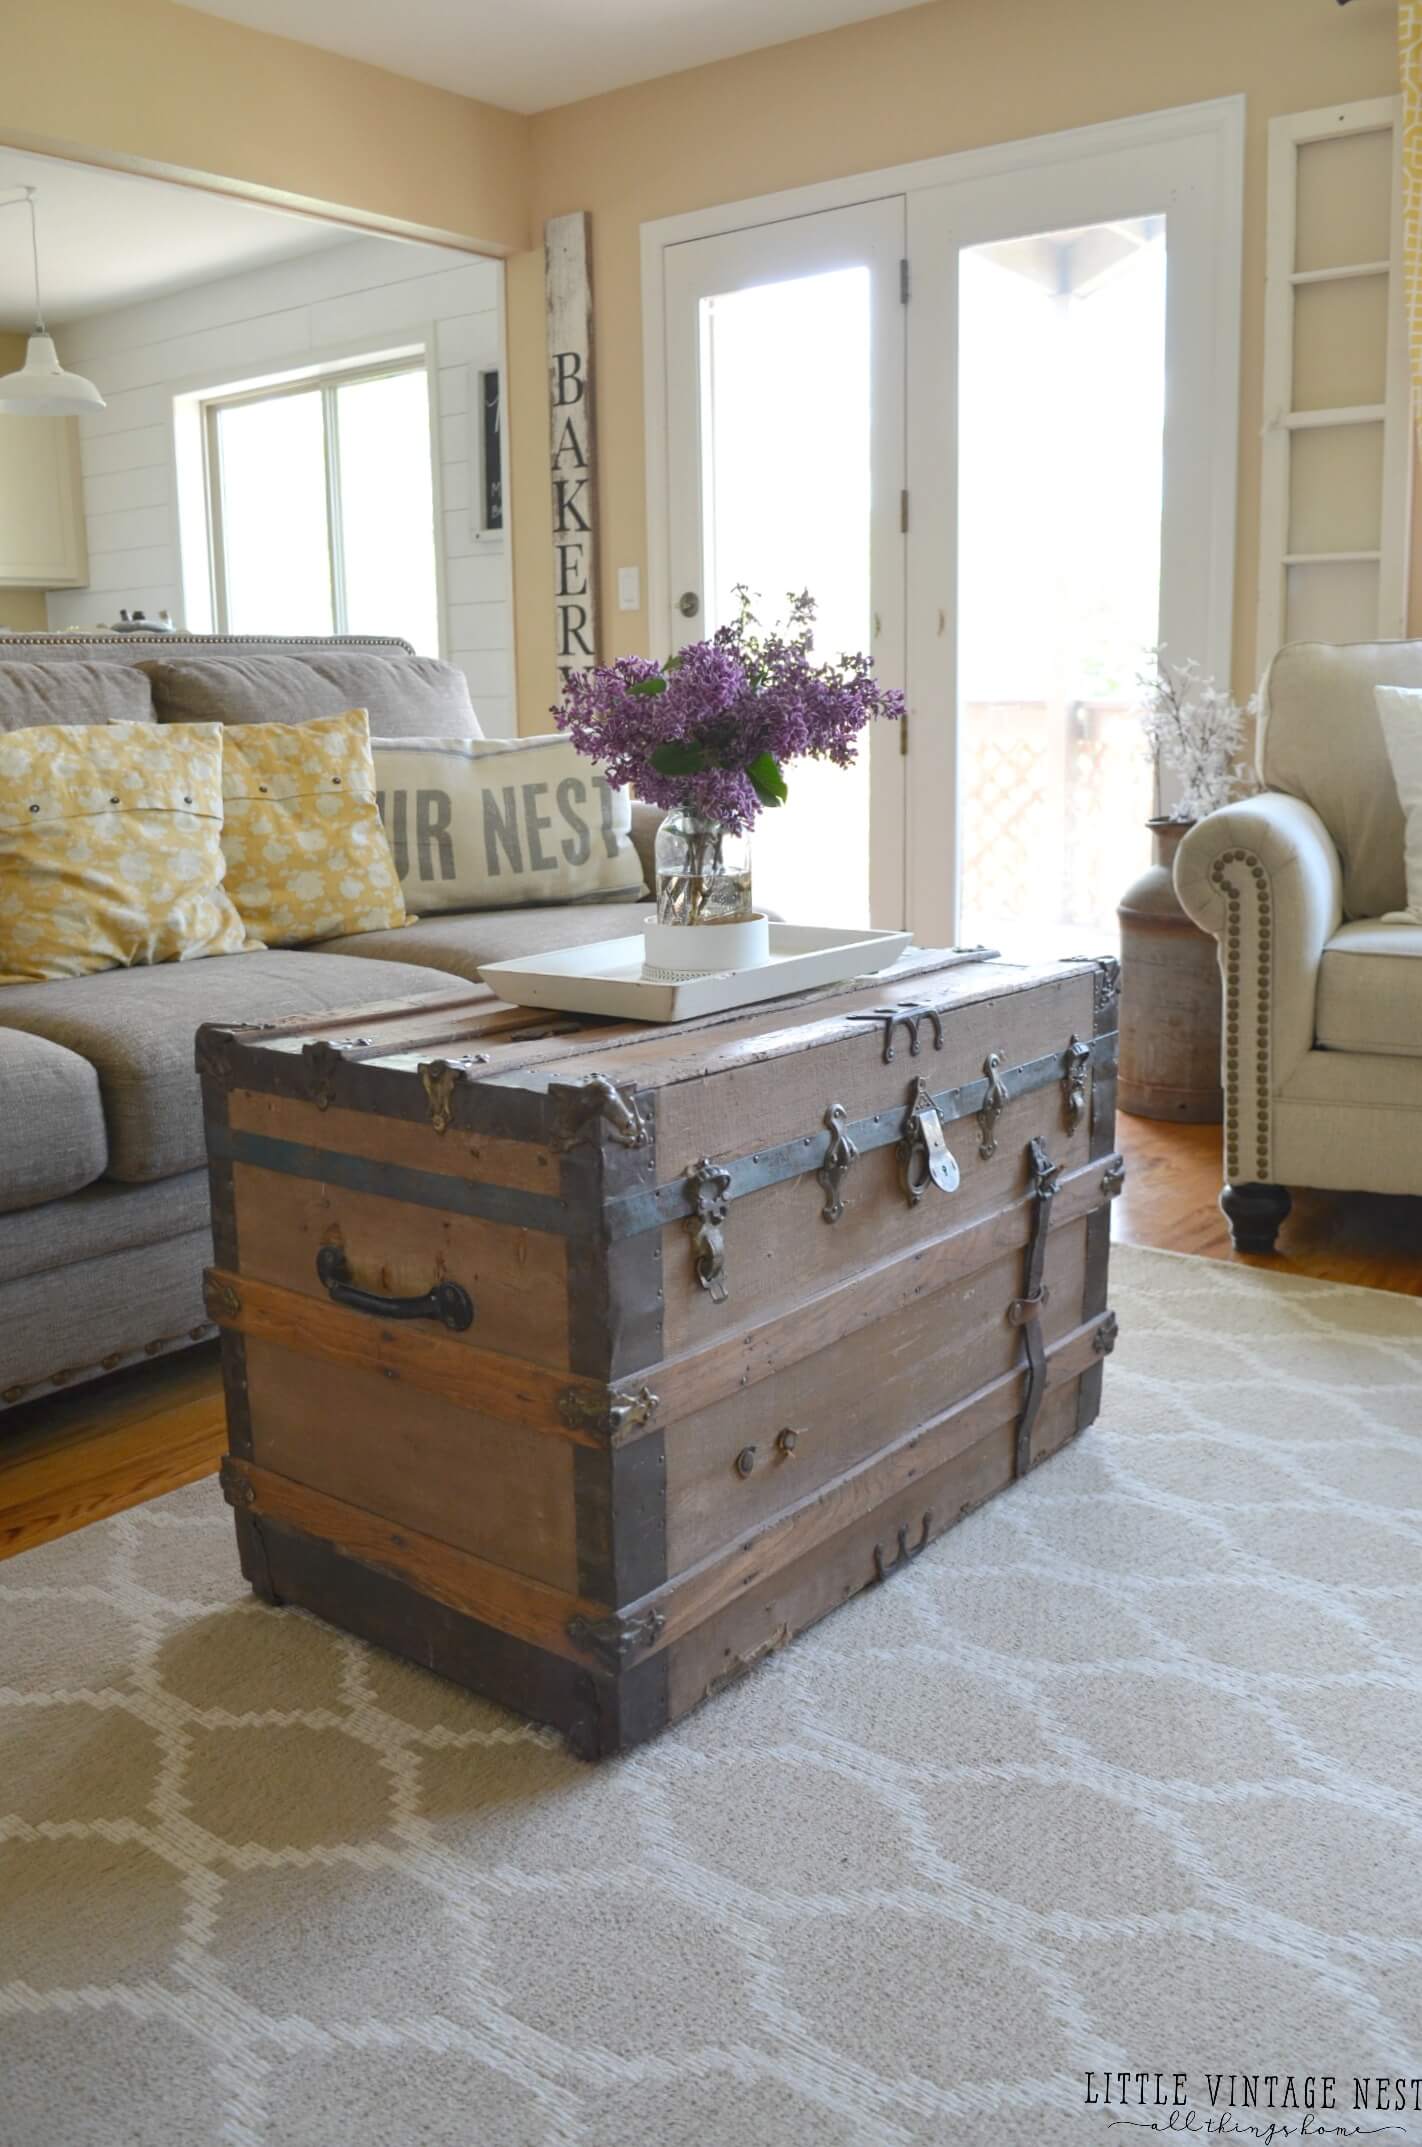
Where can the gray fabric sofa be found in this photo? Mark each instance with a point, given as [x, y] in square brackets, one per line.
[103, 1186]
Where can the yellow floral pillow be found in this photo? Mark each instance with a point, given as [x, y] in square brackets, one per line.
[110, 848]
[307, 857]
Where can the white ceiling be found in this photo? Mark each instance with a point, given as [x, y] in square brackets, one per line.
[109, 239]
[530, 54]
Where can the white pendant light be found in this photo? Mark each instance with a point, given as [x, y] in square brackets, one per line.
[42, 388]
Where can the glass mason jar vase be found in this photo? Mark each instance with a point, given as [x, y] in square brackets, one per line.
[703, 871]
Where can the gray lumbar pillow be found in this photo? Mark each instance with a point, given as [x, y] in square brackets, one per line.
[406, 696]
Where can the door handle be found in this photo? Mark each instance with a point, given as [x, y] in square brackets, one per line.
[688, 603]
[447, 1302]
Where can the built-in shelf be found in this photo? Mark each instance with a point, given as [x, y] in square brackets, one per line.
[1341, 275]
[1311, 420]
[1321, 476]
[1330, 559]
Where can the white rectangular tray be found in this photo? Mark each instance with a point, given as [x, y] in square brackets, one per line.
[606, 977]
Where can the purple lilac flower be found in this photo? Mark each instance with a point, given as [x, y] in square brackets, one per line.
[735, 707]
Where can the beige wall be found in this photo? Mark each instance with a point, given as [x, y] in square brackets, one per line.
[22, 610]
[147, 80]
[954, 75]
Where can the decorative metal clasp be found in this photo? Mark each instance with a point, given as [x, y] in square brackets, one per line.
[839, 1157]
[710, 1184]
[619, 1107]
[615, 1640]
[1104, 1339]
[909, 1017]
[439, 1078]
[609, 1413]
[1113, 1177]
[1107, 983]
[1076, 1060]
[323, 1061]
[905, 1553]
[993, 1105]
[924, 1156]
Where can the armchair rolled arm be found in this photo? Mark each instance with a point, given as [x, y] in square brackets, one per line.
[1264, 878]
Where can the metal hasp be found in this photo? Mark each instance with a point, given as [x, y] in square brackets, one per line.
[323, 1062]
[1104, 1339]
[619, 1107]
[924, 1156]
[439, 1078]
[993, 1105]
[909, 1018]
[1026, 1311]
[616, 1639]
[709, 1184]
[905, 1552]
[1076, 1061]
[609, 1413]
[839, 1157]
[448, 1302]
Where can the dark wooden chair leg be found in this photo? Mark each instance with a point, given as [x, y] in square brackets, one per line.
[1255, 1213]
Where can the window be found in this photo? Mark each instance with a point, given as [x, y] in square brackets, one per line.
[321, 507]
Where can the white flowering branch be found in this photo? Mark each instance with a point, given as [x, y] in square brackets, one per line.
[1194, 729]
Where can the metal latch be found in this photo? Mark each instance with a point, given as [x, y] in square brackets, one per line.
[709, 1185]
[924, 1156]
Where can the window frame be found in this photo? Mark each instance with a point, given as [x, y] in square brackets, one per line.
[327, 383]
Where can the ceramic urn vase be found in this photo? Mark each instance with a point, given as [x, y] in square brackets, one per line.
[1170, 998]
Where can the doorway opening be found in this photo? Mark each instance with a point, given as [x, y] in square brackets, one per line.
[1061, 410]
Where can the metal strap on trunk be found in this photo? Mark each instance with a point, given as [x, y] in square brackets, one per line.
[1026, 1311]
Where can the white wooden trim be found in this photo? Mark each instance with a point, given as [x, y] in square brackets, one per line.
[1222, 117]
[1287, 134]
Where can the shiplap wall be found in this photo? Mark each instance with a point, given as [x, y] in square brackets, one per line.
[362, 291]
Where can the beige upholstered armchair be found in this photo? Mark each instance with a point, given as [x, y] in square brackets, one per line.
[1322, 999]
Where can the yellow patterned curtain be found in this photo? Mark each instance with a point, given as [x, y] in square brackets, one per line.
[1409, 31]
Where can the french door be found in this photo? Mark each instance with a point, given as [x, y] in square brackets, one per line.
[786, 369]
[944, 411]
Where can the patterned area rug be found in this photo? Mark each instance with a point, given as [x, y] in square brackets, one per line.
[1121, 1777]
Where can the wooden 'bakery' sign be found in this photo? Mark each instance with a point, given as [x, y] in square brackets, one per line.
[572, 445]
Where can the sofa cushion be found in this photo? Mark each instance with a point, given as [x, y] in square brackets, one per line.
[460, 944]
[1322, 741]
[99, 1219]
[32, 693]
[136, 1027]
[1370, 990]
[405, 696]
[52, 1137]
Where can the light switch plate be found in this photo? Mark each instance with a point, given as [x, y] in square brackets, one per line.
[629, 588]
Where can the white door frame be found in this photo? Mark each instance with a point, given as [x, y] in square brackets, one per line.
[1217, 128]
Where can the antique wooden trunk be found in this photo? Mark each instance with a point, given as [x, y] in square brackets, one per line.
[588, 1363]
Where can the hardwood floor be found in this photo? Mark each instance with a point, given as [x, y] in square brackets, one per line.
[78, 1457]
[1171, 1201]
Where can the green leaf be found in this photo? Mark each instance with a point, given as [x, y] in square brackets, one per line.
[766, 779]
[649, 687]
[679, 757]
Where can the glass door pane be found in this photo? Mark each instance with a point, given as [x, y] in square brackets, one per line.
[1061, 409]
[276, 554]
[785, 491]
[387, 508]
[785, 468]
